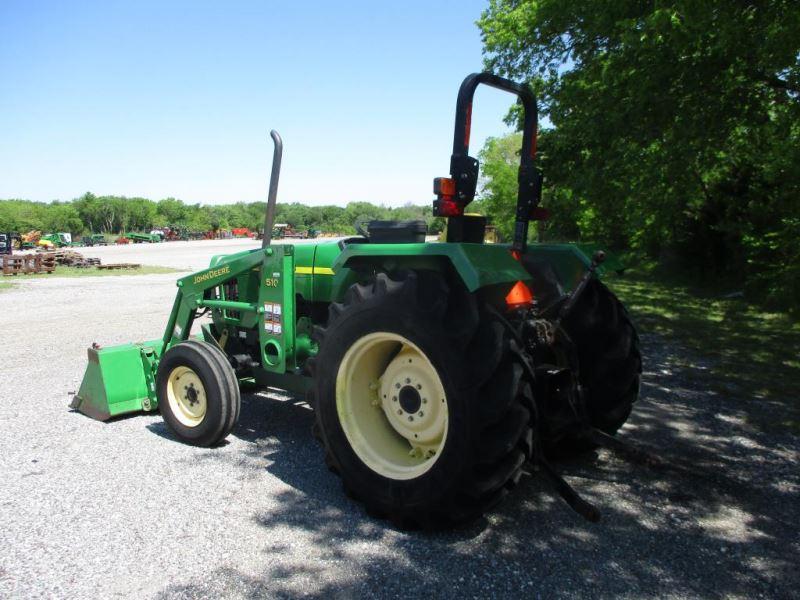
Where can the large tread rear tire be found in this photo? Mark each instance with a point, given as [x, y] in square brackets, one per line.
[490, 404]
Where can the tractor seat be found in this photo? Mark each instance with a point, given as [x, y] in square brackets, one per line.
[388, 232]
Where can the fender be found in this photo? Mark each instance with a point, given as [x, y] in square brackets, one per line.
[477, 265]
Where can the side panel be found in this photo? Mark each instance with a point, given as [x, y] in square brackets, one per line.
[304, 258]
[325, 276]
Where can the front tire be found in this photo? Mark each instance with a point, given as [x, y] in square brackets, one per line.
[198, 393]
[419, 403]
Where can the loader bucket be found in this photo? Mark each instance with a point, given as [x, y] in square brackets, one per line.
[118, 380]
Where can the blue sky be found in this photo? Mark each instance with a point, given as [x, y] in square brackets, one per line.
[161, 99]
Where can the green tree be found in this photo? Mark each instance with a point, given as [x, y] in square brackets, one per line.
[675, 125]
[500, 163]
[171, 211]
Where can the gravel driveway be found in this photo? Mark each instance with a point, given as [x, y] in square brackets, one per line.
[91, 509]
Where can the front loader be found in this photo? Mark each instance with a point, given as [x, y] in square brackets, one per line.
[436, 371]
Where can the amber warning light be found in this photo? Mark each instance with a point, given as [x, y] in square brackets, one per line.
[519, 296]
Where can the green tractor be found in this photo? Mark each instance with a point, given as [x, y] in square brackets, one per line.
[145, 238]
[94, 239]
[436, 371]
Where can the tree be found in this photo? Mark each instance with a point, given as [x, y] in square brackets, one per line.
[675, 124]
[171, 211]
[500, 163]
[62, 217]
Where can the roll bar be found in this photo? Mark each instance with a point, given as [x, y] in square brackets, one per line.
[459, 190]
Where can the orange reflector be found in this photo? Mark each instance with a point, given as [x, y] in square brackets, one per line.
[516, 254]
[519, 295]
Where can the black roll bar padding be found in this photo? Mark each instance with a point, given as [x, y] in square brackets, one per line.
[464, 168]
[269, 217]
[464, 111]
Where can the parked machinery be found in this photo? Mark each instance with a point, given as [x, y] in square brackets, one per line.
[435, 370]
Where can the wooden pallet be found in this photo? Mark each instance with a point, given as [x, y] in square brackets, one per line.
[87, 263]
[25, 264]
[14, 265]
[119, 266]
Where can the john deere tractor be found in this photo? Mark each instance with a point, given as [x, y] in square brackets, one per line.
[436, 371]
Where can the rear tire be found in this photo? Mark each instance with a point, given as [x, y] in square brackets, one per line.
[198, 393]
[487, 403]
[607, 345]
[609, 356]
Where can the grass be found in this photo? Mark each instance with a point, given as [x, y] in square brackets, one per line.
[5, 286]
[64, 271]
[754, 355]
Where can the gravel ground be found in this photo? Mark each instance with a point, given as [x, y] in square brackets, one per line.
[91, 509]
[187, 256]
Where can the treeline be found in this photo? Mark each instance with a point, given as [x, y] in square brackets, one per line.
[118, 214]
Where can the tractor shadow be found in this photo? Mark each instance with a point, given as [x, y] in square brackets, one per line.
[720, 520]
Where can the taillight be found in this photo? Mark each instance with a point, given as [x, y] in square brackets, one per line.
[445, 205]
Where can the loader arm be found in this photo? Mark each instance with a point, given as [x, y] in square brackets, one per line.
[121, 379]
[192, 295]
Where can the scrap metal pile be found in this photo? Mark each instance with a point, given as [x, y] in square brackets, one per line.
[71, 258]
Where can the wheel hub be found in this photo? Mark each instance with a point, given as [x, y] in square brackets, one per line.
[392, 405]
[191, 394]
[412, 398]
[409, 398]
[186, 396]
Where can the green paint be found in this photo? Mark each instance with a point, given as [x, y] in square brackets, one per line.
[304, 255]
[277, 300]
[567, 260]
[478, 265]
[118, 380]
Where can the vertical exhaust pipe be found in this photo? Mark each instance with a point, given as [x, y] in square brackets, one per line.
[269, 218]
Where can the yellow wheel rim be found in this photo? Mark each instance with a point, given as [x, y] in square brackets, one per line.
[186, 396]
[391, 405]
